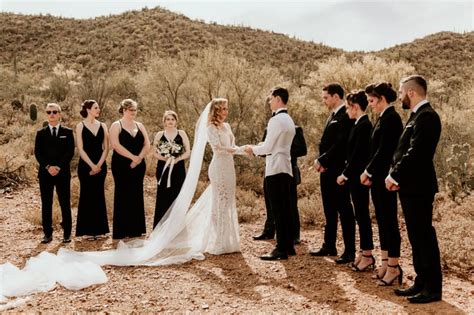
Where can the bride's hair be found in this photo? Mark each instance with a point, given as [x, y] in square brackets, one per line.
[216, 106]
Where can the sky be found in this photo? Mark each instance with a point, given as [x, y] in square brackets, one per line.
[364, 25]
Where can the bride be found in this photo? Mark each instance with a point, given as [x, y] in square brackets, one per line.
[184, 233]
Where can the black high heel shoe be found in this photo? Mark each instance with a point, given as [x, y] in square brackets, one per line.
[376, 276]
[390, 282]
[370, 266]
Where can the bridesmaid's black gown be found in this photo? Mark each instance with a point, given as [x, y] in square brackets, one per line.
[165, 196]
[92, 212]
[129, 207]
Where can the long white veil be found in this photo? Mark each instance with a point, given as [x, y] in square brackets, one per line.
[179, 237]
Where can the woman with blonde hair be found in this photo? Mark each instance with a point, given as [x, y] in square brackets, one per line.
[224, 226]
[171, 148]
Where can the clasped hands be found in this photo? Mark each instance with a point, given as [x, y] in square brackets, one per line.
[53, 170]
[318, 167]
[135, 161]
[391, 186]
[95, 169]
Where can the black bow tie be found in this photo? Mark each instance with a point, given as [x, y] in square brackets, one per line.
[282, 111]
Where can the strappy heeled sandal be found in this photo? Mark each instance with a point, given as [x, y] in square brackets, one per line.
[385, 283]
[370, 266]
[376, 276]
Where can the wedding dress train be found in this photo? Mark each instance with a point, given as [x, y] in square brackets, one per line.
[184, 233]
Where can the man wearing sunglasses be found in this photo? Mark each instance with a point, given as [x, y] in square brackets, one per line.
[54, 149]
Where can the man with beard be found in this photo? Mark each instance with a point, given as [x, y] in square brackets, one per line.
[413, 175]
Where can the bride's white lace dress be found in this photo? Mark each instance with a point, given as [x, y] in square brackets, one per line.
[184, 233]
[224, 227]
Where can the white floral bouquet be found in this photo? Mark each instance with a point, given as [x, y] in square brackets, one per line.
[170, 149]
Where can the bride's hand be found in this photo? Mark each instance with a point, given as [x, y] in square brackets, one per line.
[231, 150]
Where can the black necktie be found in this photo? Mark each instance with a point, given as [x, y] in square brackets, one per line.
[54, 132]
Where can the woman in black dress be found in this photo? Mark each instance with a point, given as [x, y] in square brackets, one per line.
[130, 143]
[93, 147]
[171, 148]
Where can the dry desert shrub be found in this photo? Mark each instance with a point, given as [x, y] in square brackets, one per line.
[249, 206]
[454, 226]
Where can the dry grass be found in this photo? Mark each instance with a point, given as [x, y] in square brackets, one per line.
[454, 226]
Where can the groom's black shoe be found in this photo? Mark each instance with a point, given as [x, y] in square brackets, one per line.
[411, 291]
[263, 236]
[275, 255]
[324, 252]
[47, 239]
[291, 252]
[425, 297]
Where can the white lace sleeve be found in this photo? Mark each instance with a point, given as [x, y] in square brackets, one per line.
[238, 150]
[214, 140]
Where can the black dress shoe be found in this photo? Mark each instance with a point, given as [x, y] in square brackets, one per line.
[263, 236]
[275, 255]
[411, 291]
[323, 252]
[291, 252]
[67, 239]
[425, 297]
[47, 239]
[345, 258]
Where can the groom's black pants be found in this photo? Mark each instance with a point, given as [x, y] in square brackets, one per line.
[278, 193]
[269, 228]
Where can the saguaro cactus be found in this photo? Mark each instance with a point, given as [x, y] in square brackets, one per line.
[33, 112]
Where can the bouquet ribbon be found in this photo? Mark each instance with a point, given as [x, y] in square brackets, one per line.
[169, 163]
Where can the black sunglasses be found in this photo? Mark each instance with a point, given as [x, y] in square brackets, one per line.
[49, 112]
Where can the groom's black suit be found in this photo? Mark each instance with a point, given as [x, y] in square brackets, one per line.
[55, 151]
[414, 170]
[336, 198]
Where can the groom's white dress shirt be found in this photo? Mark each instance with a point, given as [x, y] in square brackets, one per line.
[277, 144]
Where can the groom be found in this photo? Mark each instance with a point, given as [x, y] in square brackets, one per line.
[278, 171]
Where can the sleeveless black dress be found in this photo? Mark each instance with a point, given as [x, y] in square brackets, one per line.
[129, 207]
[164, 195]
[92, 211]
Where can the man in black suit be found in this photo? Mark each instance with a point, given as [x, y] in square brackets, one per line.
[330, 164]
[54, 149]
[298, 149]
[356, 159]
[413, 175]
